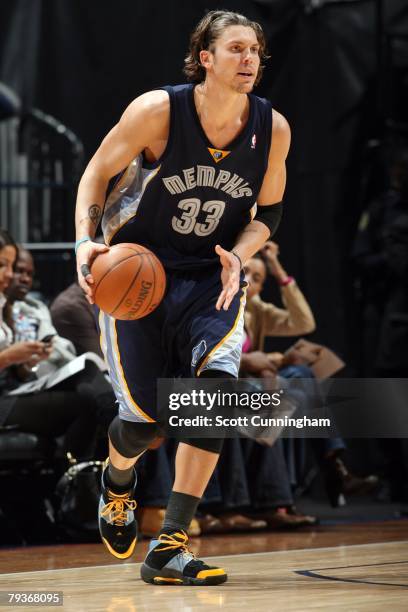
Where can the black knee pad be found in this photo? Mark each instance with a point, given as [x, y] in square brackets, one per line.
[227, 384]
[130, 438]
[212, 445]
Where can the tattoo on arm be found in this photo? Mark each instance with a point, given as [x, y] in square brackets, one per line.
[94, 214]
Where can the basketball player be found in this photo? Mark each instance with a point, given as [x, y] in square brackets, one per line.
[198, 159]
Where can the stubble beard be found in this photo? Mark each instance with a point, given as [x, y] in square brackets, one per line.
[244, 88]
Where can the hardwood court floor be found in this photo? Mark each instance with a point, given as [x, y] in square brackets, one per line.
[363, 577]
[84, 555]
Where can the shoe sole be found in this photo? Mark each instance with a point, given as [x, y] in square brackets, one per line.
[152, 576]
[125, 555]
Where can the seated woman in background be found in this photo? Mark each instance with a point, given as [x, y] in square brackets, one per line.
[51, 413]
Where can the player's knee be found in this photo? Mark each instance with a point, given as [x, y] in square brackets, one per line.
[130, 438]
[212, 445]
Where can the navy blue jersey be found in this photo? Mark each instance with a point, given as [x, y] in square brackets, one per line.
[195, 196]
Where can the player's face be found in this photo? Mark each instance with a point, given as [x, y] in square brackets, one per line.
[234, 60]
[255, 274]
[22, 281]
[7, 257]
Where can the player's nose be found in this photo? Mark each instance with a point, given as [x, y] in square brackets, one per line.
[247, 56]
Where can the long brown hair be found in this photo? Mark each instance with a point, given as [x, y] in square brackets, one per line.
[206, 33]
[7, 240]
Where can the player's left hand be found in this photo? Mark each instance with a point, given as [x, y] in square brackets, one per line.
[230, 277]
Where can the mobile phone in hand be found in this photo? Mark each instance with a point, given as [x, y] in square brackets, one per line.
[47, 339]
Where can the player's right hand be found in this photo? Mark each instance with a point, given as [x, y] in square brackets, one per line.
[86, 253]
[230, 277]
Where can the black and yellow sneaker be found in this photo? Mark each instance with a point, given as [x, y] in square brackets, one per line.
[170, 562]
[117, 523]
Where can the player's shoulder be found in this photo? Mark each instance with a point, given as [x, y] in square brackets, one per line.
[280, 125]
[154, 102]
[147, 115]
[159, 100]
[280, 138]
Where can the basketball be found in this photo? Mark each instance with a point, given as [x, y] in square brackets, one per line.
[129, 281]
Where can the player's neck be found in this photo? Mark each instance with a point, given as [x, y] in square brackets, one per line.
[220, 108]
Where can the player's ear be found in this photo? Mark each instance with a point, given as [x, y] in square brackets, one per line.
[205, 58]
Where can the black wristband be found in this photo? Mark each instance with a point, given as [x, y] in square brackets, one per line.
[239, 259]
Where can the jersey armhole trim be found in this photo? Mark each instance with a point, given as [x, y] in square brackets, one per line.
[270, 129]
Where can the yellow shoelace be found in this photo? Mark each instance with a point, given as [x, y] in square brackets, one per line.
[173, 543]
[118, 507]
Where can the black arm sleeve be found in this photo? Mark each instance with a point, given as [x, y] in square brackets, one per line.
[270, 216]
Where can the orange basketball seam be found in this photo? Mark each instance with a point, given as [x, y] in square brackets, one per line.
[154, 282]
[129, 287]
[141, 250]
[162, 285]
[115, 265]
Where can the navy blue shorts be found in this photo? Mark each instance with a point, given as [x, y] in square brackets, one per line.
[183, 337]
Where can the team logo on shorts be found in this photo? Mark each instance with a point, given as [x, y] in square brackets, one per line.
[253, 141]
[197, 352]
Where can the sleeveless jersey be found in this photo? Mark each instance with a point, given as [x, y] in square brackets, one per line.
[195, 196]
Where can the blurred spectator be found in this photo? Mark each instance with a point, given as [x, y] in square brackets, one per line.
[31, 319]
[392, 358]
[73, 317]
[381, 261]
[50, 413]
[263, 319]
[381, 257]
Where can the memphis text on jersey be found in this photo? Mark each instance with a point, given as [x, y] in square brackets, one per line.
[207, 176]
